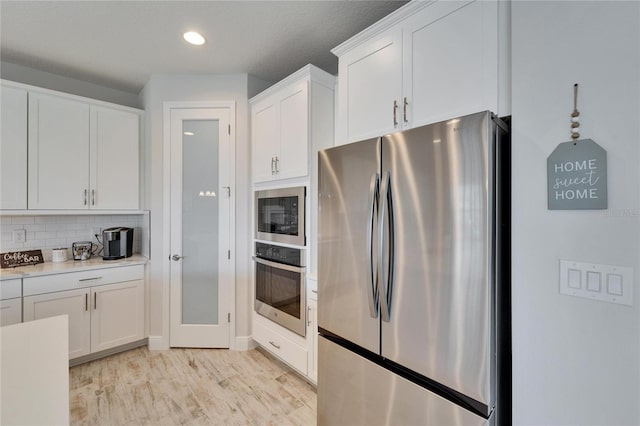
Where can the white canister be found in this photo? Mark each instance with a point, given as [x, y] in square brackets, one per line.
[59, 255]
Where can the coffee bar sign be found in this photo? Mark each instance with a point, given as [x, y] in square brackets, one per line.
[577, 176]
[20, 258]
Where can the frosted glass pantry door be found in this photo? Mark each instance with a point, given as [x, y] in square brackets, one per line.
[200, 222]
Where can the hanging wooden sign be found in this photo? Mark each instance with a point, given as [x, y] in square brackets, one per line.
[577, 176]
[20, 258]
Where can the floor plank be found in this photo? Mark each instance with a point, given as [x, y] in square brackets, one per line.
[189, 387]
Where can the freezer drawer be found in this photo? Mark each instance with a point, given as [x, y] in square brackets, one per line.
[354, 391]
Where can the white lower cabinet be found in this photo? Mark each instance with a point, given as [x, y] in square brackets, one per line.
[105, 312]
[312, 330]
[10, 311]
[282, 343]
[11, 301]
[75, 304]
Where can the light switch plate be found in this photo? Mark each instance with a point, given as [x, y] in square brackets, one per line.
[20, 235]
[607, 283]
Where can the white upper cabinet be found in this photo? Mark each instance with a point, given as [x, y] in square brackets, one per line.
[81, 156]
[426, 62]
[370, 87]
[114, 155]
[58, 153]
[13, 148]
[288, 121]
[294, 132]
[265, 140]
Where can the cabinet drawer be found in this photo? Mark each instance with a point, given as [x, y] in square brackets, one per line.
[274, 342]
[10, 289]
[73, 280]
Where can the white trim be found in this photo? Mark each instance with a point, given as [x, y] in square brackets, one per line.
[308, 72]
[34, 212]
[92, 101]
[166, 207]
[382, 25]
[158, 343]
[244, 343]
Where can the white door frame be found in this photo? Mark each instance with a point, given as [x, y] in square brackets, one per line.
[166, 207]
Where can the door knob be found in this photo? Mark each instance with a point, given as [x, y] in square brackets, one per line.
[176, 257]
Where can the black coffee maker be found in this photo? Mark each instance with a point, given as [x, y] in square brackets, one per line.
[117, 243]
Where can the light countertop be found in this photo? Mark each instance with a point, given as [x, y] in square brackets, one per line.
[49, 268]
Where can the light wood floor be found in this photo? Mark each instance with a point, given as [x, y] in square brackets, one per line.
[189, 386]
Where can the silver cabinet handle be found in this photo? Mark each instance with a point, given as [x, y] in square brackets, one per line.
[90, 279]
[309, 316]
[273, 167]
[404, 110]
[277, 265]
[374, 195]
[93, 197]
[314, 291]
[95, 301]
[274, 345]
[395, 113]
[85, 197]
[277, 165]
[176, 257]
[86, 302]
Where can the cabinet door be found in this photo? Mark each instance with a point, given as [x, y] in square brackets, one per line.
[114, 153]
[13, 148]
[265, 140]
[292, 159]
[117, 314]
[10, 311]
[370, 83]
[75, 304]
[312, 323]
[58, 153]
[450, 61]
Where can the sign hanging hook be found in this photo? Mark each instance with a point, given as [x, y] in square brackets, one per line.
[575, 124]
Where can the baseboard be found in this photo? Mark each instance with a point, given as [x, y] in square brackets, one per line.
[158, 343]
[106, 352]
[244, 343]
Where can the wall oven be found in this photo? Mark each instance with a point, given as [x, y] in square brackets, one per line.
[280, 215]
[280, 286]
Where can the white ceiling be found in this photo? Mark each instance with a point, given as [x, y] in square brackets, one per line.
[119, 44]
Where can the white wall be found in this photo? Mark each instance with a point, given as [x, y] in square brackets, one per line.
[34, 77]
[575, 361]
[163, 88]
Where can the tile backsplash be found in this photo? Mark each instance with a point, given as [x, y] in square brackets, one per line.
[49, 232]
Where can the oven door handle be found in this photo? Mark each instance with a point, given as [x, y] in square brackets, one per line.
[279, 265]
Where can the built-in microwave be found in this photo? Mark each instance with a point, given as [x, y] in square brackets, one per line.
[280, 286]
[280, 215]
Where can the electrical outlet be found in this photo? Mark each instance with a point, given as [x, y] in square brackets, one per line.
[20, 235]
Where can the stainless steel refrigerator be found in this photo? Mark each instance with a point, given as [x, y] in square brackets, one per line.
[413, 277]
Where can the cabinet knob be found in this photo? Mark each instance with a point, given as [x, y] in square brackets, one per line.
[176, 257]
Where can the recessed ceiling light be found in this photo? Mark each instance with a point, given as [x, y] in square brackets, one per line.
[193, 38]
[188, 133]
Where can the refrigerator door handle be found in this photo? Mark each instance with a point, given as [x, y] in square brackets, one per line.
[372, 275]
[386, 287]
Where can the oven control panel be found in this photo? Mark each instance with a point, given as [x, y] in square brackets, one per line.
[276, 253]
